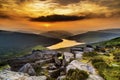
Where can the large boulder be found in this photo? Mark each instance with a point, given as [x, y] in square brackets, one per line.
[36, 55]
[52, 66]
[61, 77]
[73, 49]
[86, 67]
[78, 54]
[68, 56]
[88, 49]
[81, 66]
[10, 75]
[27, 68]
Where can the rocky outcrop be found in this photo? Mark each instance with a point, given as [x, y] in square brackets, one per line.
[88, 48]
[27, 68]
[36, 55]
[82, 66]
[86, 67]
[61, 77]
[78, 54]
[9, 75]
[52, 66]
[44, 63]
[68, 56]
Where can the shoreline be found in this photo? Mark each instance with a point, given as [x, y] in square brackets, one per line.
[65, 43]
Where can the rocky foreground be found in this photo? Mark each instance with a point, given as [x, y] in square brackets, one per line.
[10, 75]
[40, 65]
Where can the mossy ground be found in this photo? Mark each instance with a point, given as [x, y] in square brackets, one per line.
[76, 74]
[106, 65]
[4, 67]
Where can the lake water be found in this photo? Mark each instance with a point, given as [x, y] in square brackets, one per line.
[64, 43]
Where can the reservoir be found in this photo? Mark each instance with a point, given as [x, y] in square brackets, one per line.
[64, 43]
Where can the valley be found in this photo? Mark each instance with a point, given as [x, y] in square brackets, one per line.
[92, 58]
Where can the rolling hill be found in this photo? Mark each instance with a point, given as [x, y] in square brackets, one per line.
[112, 42]
[57, 34]
[16, 42]
[94, 36]
[116, 31]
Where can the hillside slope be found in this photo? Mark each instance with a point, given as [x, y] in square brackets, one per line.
[117, 30]
[16, 42]
[93, 36]
[57, 34]
[112, 42]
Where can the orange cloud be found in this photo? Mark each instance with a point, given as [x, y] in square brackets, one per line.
[36, 8]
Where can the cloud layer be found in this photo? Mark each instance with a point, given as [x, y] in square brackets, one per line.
[56, 18]
[38, 8]
[66, 2]
[4, 16]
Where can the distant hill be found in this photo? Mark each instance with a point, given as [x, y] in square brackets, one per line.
[112, 42]
[16, 42]
[94, 36]
[57, 34]
[116, 31]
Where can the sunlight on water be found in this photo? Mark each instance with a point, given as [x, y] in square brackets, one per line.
[64, 43]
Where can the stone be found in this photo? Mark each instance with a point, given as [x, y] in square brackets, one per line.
[36, 55]
[27, 68]
[73, 49]
[78, 54]
[68, 56]
[61, 77]
[88, 49]
[10, 75]
[81, 66]
[42, 62]
[86, 67]
[57, 61]
[38, 78]
[51, 67]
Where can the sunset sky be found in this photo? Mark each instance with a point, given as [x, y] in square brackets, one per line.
[45, 15]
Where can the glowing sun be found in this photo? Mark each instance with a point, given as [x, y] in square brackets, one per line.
[46, 25]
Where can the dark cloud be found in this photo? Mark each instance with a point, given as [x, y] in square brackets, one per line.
[42, 0]
[107, 8]
[65, 2]
[108, 3]
[4, 16]
[24, 0]
[57, 18]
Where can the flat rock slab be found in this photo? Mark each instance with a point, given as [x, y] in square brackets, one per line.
[10, 75]
[68, 56]
[81, 66]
